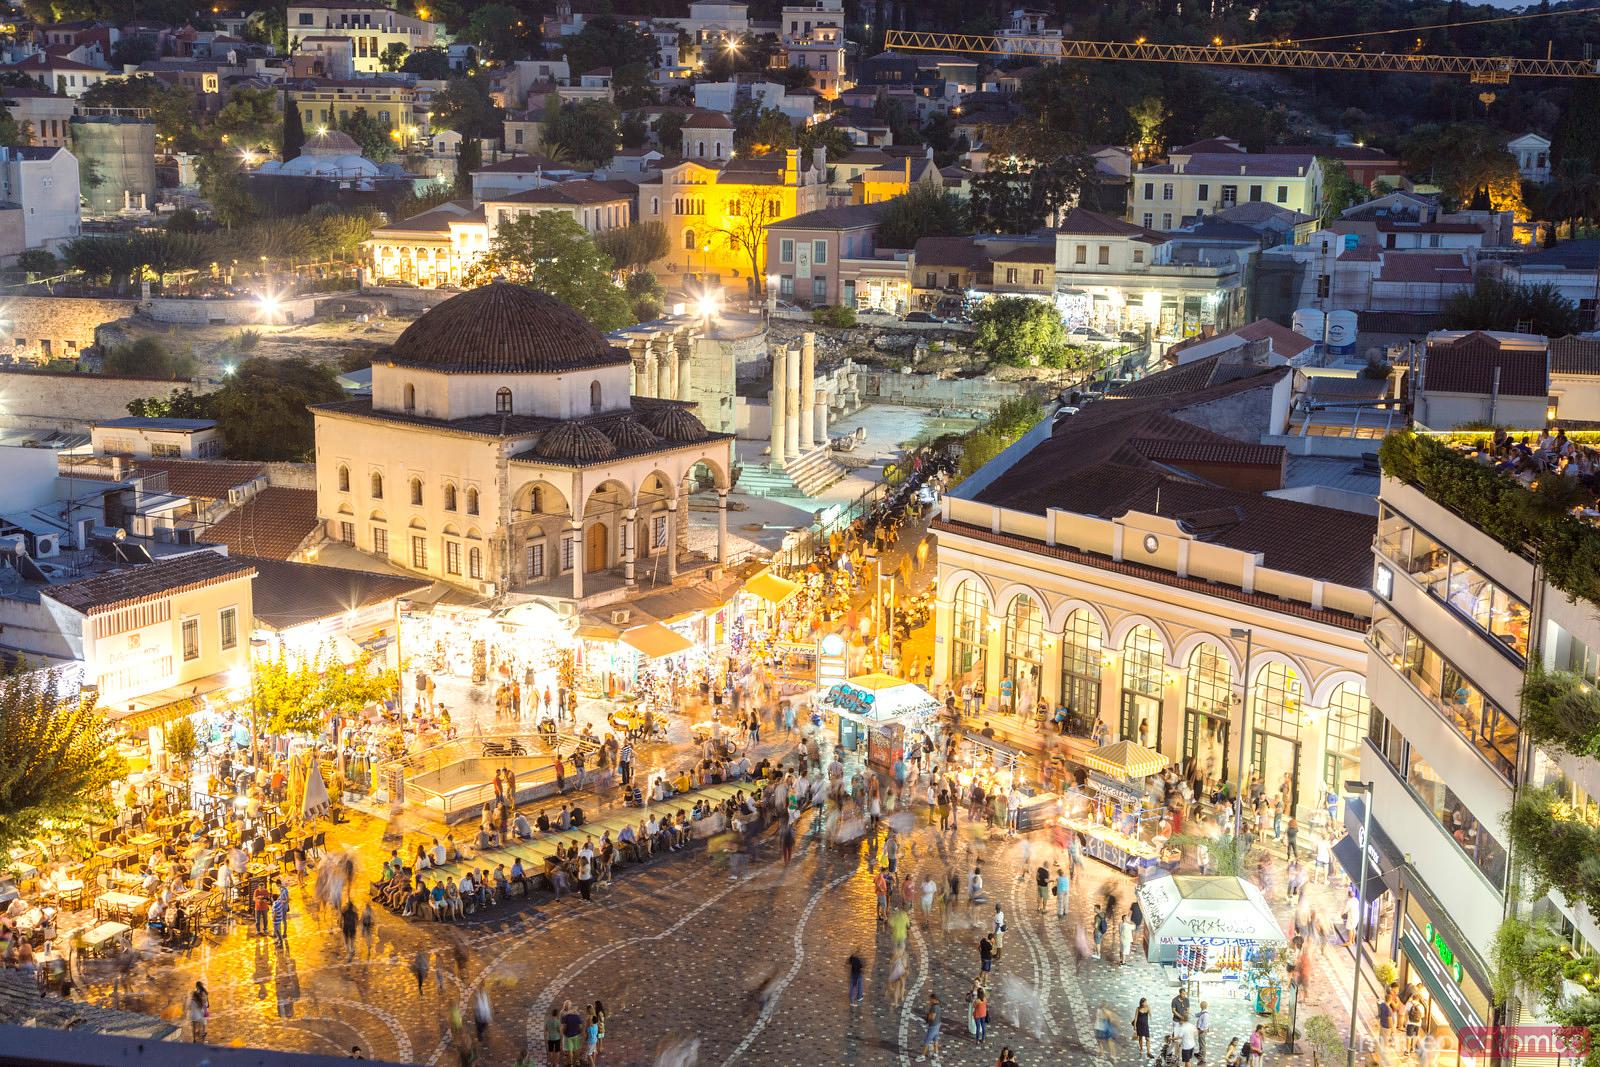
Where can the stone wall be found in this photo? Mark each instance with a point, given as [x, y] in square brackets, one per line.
[292, 475]
[47, 327]
[925, 390]
[248, 311]
[44, 400]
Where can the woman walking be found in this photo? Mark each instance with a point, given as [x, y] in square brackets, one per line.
[1105, 1029]
[197, 1011]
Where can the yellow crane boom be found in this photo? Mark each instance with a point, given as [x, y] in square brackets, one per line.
[1492, 69]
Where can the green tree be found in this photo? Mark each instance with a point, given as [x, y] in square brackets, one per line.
[262, 408]
[501, 31]
[825, 135]
[13, 135]
[1246, 121]
[224, 187]
[58, 756]
[646, 293]
[1012, 198]
[607, 42]
[430, 63]
[1018, 331]
[249, 120]
[1492, 304]
[766, 130]
[1339, 191]
[294, 133]
[38, 262]
[1464, 159]
[393, 57]
[669, 130]
[376, 139]
[464, 106]
[269, 26]
[469, 157]
[183, 404]
[284, 692]
[925, 211]
[148, 358]
[634, 247]
[1575, 137]
[589, 130]
[549, 250]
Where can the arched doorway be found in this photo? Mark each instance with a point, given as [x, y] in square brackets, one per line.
[1207, 712]
[1143, 669]
[596, 548]
[1275, 749]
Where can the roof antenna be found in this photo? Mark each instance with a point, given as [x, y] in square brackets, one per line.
[1158, 500]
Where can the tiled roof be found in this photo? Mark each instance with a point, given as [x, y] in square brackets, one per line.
[1255, 212]
[1027, 254]
[201, 478]
[435, 220]
[1428, 268]
[950, 252]
[274, 523]
[581, 191]
[1361, 254]
[1575, 355]
[1285, 341]
[107, 592]
[707, 120]
[1224, 165]
[21, 1005]
[502, 328]
[1580, 255]
[1468, 364]
[1208, 146]
[1081, 220]
[1243, 452]
[1168, 578]
[290, 594]
[1414, 323]
[523, 165]
[833, 218]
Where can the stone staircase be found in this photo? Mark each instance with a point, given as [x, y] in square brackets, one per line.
[803, 477]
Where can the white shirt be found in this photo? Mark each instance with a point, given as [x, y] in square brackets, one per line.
[1188, 1035]
[438, 855]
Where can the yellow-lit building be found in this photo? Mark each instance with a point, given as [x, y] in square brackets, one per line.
[325, 102]
[370, 26]
[895, 178]
[434, 248]
[701, 204]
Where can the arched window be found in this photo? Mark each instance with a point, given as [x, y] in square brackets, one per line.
[1081, 656]
[475, 563]
[416, 492]
[971, 633]
[702, 148]
[502, 401]
[594, 396]
[410, 397]
[1023, 647]
[377, 486]
[1275, 720]
[1349, 711]
[449, 497]
[688, 240]
[1143, 669]
[472, 501]
[344, 479]
[536, 500]
[1208, 710]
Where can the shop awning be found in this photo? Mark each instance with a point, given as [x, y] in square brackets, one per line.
[1348, 853]
[771, 588]
[161, 707]
[1126, 759]
[653, 640]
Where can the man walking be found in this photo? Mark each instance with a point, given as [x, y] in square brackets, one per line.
[280, 917]
[857, 979]
[625, 763]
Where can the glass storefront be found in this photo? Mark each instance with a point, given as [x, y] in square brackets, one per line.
[1143, 668]
[1348, 714]
[1024, 646]
[1275, 730]
[1208, 702]
[1434, 974]
[969, 634]
[1081, 652]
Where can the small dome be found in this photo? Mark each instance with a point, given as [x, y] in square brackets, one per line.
[574, 442]
[675, 423]
[629, 435]
[502, 328]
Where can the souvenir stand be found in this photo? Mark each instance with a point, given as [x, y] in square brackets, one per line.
[1210, 929]
[1110, 809]
[877, 714]
[992, 763]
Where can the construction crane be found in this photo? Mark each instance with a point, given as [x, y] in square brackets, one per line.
[1493, 70]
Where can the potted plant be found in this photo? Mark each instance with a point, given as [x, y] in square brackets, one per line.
[1327, 1043]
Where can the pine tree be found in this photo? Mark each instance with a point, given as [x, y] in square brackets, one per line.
[294, 132]
[468, 159]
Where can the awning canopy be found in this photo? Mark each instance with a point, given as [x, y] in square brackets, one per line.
[771, 588]
[1125, 759]
[880, 699]
[1212, 911]
[653, 640]
[1348, 853]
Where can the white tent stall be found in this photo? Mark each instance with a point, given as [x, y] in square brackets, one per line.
[1207, 925]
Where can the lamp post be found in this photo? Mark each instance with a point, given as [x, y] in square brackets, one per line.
[1365, 789]
[1248, 634]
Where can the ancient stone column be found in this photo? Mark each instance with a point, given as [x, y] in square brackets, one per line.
[666, 365]
[791, 425]
[685, 347]
[647, 384]
[778, 402]
[821, 405]
[808, 389]
[630, 534]
[672, 536]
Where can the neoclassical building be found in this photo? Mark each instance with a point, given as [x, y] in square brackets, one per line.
[1134, 566]
[503, 449]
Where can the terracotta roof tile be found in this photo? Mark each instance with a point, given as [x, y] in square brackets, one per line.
[106, 592]
[200, 478]
[273, 524]
[1575, 355]
[289, 594]
[1468, 364]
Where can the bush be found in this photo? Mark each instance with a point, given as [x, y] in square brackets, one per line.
[148, 358]
[1021, 332]
[840, 316]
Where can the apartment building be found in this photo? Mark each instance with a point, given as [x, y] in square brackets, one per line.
[1479, 624]
[372, 27]
[1206, 182]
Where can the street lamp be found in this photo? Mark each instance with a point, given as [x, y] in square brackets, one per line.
[1364, 789]
[1247, 634]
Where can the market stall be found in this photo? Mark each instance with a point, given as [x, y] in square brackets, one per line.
[877, 712]
[994, 764]
[1209, 928]
[1109, 808]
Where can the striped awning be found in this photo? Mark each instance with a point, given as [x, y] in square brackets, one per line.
[1125, 759]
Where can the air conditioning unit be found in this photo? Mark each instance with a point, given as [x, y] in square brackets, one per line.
[46, 546]
[621, 617]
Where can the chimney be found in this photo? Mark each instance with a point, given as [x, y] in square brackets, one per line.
[1300, 170]
[819, 160]
[791, 166]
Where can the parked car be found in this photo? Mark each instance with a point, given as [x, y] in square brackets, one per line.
[876, 314]
[1084, 333]
[922, 316]
[1132, 337]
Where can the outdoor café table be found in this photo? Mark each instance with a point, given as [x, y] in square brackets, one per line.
[128, 906]
[106, 936]
[115, 855]
[145, 840]
[68, 890]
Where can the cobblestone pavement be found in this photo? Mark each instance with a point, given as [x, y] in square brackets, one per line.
[679, 950]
